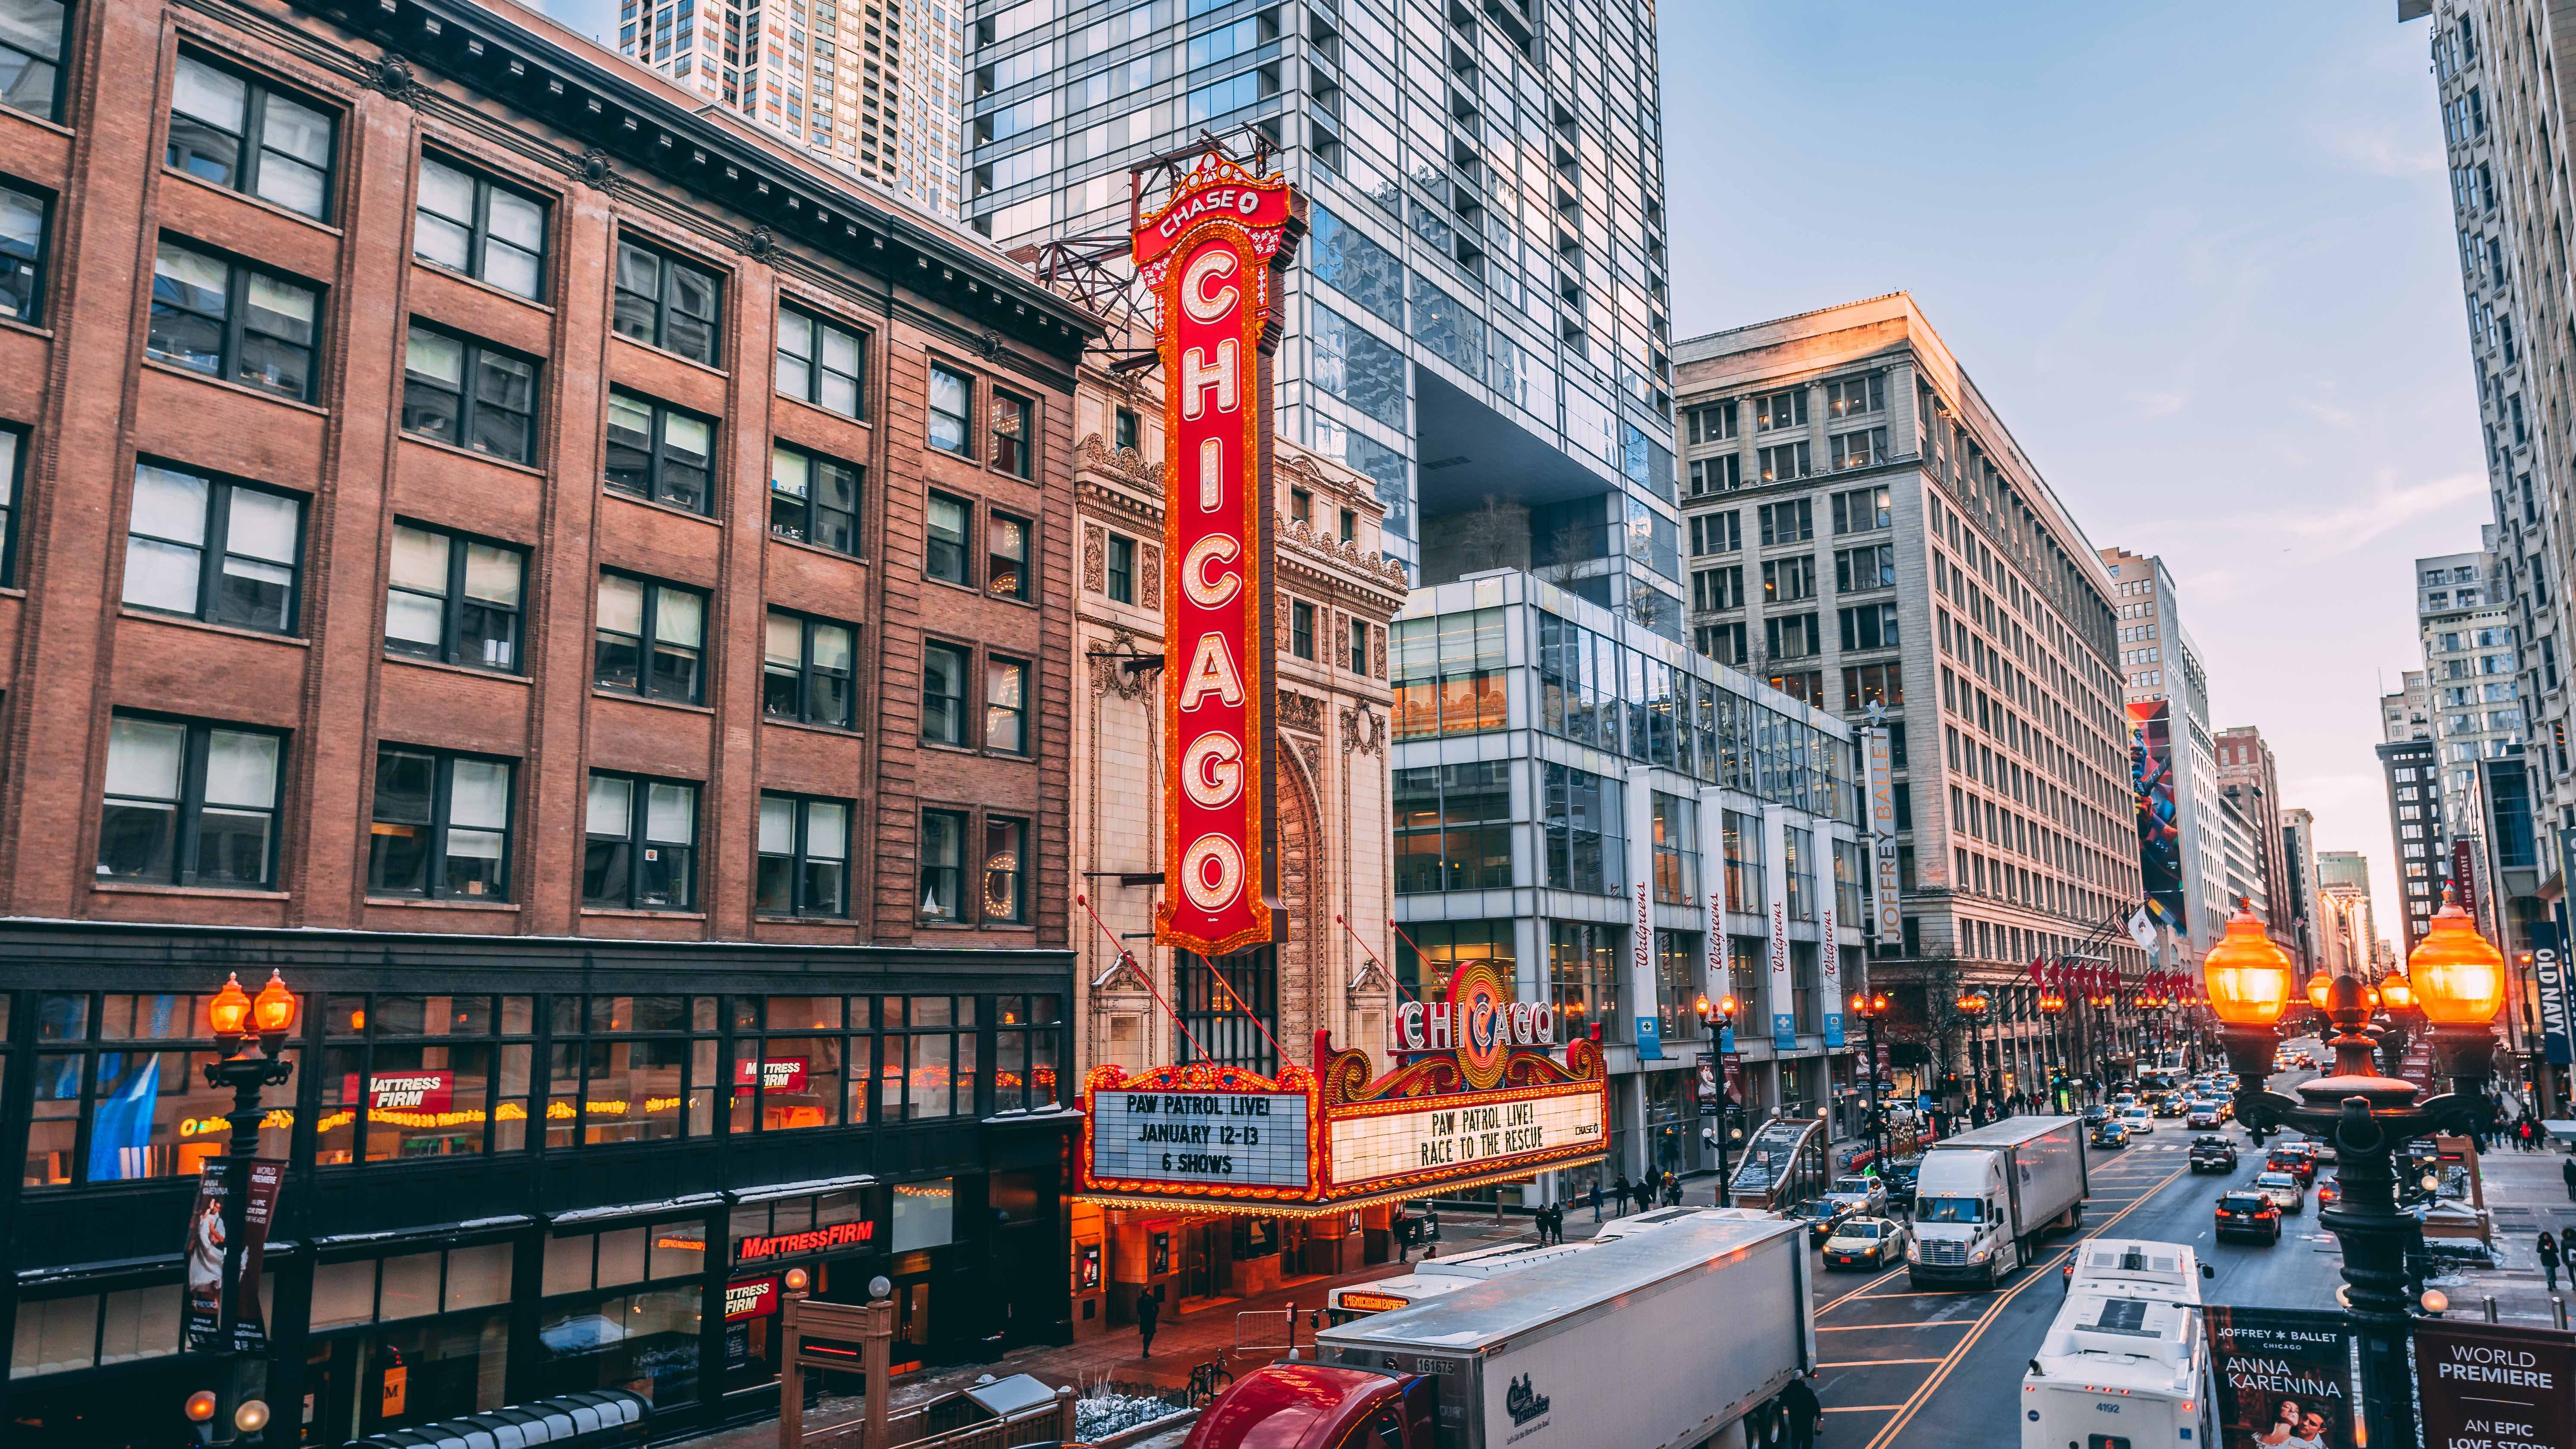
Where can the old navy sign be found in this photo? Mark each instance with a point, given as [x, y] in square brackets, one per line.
[1214, 256]
[2549, 973]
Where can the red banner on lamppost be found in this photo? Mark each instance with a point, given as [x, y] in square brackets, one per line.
[1214, 256]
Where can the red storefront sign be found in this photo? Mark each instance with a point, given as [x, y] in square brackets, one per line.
[423, 1091]
[1214, 256]
[776, 1074]
[796, 1245]
[751, 1298]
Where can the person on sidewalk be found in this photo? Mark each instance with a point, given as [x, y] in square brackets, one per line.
[1149, 1316]
[1805, 1414]
[2567, 1171]
[2567, 1251]
[2548, 1251]
[1594, 1196]
[1619, 1195]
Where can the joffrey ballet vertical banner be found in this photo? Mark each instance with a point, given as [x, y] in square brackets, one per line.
[1214, 256]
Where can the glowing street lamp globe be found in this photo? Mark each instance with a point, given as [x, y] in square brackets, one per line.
[2247, 975]
[2458, 974]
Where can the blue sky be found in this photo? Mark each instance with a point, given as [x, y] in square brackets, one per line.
[2201, 262]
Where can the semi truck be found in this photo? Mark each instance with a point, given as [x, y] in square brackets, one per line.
[1434, 1276]
[2128, 1352]
[1984, 1198]
[1616, 1344]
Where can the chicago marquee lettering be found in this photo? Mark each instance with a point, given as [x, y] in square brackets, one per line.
[1212, 256]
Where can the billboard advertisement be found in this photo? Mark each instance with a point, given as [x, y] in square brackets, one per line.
[2480, 1383]
[2284, 1376]
[2151, 779]
[1887, 920]
[1213, 255]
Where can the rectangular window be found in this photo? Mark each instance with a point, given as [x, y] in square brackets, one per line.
[1773, 411]
[1722, 642]
[1717, 533]
[803, 865]
[243, 134]
[22, 237]
[1861, 449]
[469, 224]
[1581, 822]
[651, 639]
[441, 827]
[231, 321]
[660, 453]
[1792, 636]
[1714, 589]
[13, 457]
[1359, 647]
[31, 52]
[808, 671]
[1787, 580]
[469, 393]
[821, 363]
[1721, 474]
[1126, 428]
[1861, 509]
[1865, 568]
[1791, 522]
[212, 549]
[943, 553]
[944, 670]
[1786, 461]
[1122, 569]
[189, 804]
[641, 844]
[943, 867]
[1847, 396]
[814, 499]
[667, 303]
[1453, 828]
[1712, 424]
[951, 400]
[1879, 684]
[1006, 563]
[1006, 706]
[1014, 436]
[454, 599]
[1301, 629]
[1006, 852]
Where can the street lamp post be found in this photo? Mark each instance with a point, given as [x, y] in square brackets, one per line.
[239, 1020]
[1714, 1018]
[2053, 1007]
[1869, 1008]
[1973, 1004]
[2458, 984]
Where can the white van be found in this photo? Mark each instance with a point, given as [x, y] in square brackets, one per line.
[2127, 1361]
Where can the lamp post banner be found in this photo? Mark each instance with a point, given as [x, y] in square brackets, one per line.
[2481, 1384]
[2282, 1368]
[2549, 973]
[1214, 256]
[1777, 994]
[202, 1310]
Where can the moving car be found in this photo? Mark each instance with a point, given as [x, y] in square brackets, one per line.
[2138, 1119]
[2317, 1148]
[2169, 1104]
[2248, 1215]
[2096, 1112]
[2329, 1192]
[2110, 1134]
[2201, 1114]
[2213, 1154]
[1823, 1216]
[1866, 1242]
[2286, 1157]
[2285, 1191]
[1864, 1193]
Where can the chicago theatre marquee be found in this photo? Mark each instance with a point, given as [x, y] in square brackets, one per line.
[1232, 808]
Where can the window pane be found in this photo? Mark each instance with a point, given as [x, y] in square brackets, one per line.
[169, 504]
[209, 94]
[670, 814]
[263, 526]
[832, 648]
[621, 604]
[777, 825]
[827, 830]
[241, 769]
[143, 758]
[517, 220]
[678, 618]
[610, 811]
[479, 794]
[785, 640]
[420, 560]
[492, 574]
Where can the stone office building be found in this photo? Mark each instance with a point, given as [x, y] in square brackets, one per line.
[583, 594]
[1866, 536]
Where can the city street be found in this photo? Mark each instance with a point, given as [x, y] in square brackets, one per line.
[1932, 1368]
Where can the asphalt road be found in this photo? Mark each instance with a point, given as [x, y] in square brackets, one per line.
[1942, 1370]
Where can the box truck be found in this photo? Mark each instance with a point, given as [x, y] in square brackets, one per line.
[1983, 1198]
[2128, 1353]
[1665, 1339]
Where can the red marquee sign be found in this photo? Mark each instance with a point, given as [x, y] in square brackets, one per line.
[1214, 256]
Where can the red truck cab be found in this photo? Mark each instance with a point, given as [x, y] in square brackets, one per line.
[1318, 1406]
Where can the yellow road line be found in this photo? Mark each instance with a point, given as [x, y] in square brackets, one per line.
[1921, 1323]
[1856, 1292]
[1873, 1362]
[1866, 1409]
[1932, 1382]
[1884, 1297]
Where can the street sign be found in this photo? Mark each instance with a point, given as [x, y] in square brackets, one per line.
[2486, 1384]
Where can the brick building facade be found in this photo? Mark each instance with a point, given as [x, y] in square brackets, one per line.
[366, 361]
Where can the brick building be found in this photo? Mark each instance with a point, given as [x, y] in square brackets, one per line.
[358, 363]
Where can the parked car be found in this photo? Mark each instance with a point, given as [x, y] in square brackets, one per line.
[2286, 1157]
[2138, 1119]
[2213, 1154]
[2286, 1192]
[1823, 1216]
[1866, 1242]
[1866, 1194]
[2107, 1133]
[2248, 1215]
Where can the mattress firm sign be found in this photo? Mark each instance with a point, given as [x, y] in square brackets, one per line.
[1227, 1139]
[1446, 1139]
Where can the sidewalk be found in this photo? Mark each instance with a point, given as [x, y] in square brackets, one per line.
[2525, 1194]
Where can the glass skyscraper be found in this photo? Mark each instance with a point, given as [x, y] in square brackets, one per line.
[1479, 317]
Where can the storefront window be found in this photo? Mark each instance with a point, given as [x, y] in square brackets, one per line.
[925, 1215]
[93, 1330]
[645, 1069]
[126, 1099]
[646, 1342]
[786, 1082]
[928, 1070]
[1027, 1037]
[427, 1337]
[424, 1076]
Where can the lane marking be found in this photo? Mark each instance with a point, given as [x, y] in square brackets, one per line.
[1970, 1293]
[1892, 1408]
[1933, 1381]
[1856, 1292]
[1874, 1362]
[1869, 1327]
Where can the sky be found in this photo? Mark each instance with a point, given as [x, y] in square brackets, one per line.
[2201, 263]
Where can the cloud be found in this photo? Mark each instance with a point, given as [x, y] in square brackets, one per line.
[2159, 404]
[2412, 149]
[2384, 507]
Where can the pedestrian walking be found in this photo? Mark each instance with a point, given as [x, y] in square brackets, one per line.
[1149, 1316]
[2548, 1251]
[1806, 1416]
[1595, 1194]
[1619, 1195]
[2568, 1173]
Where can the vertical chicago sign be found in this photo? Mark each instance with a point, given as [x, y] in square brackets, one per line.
[1214, 256]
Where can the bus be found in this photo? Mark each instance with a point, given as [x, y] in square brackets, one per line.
[2127, 1362]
